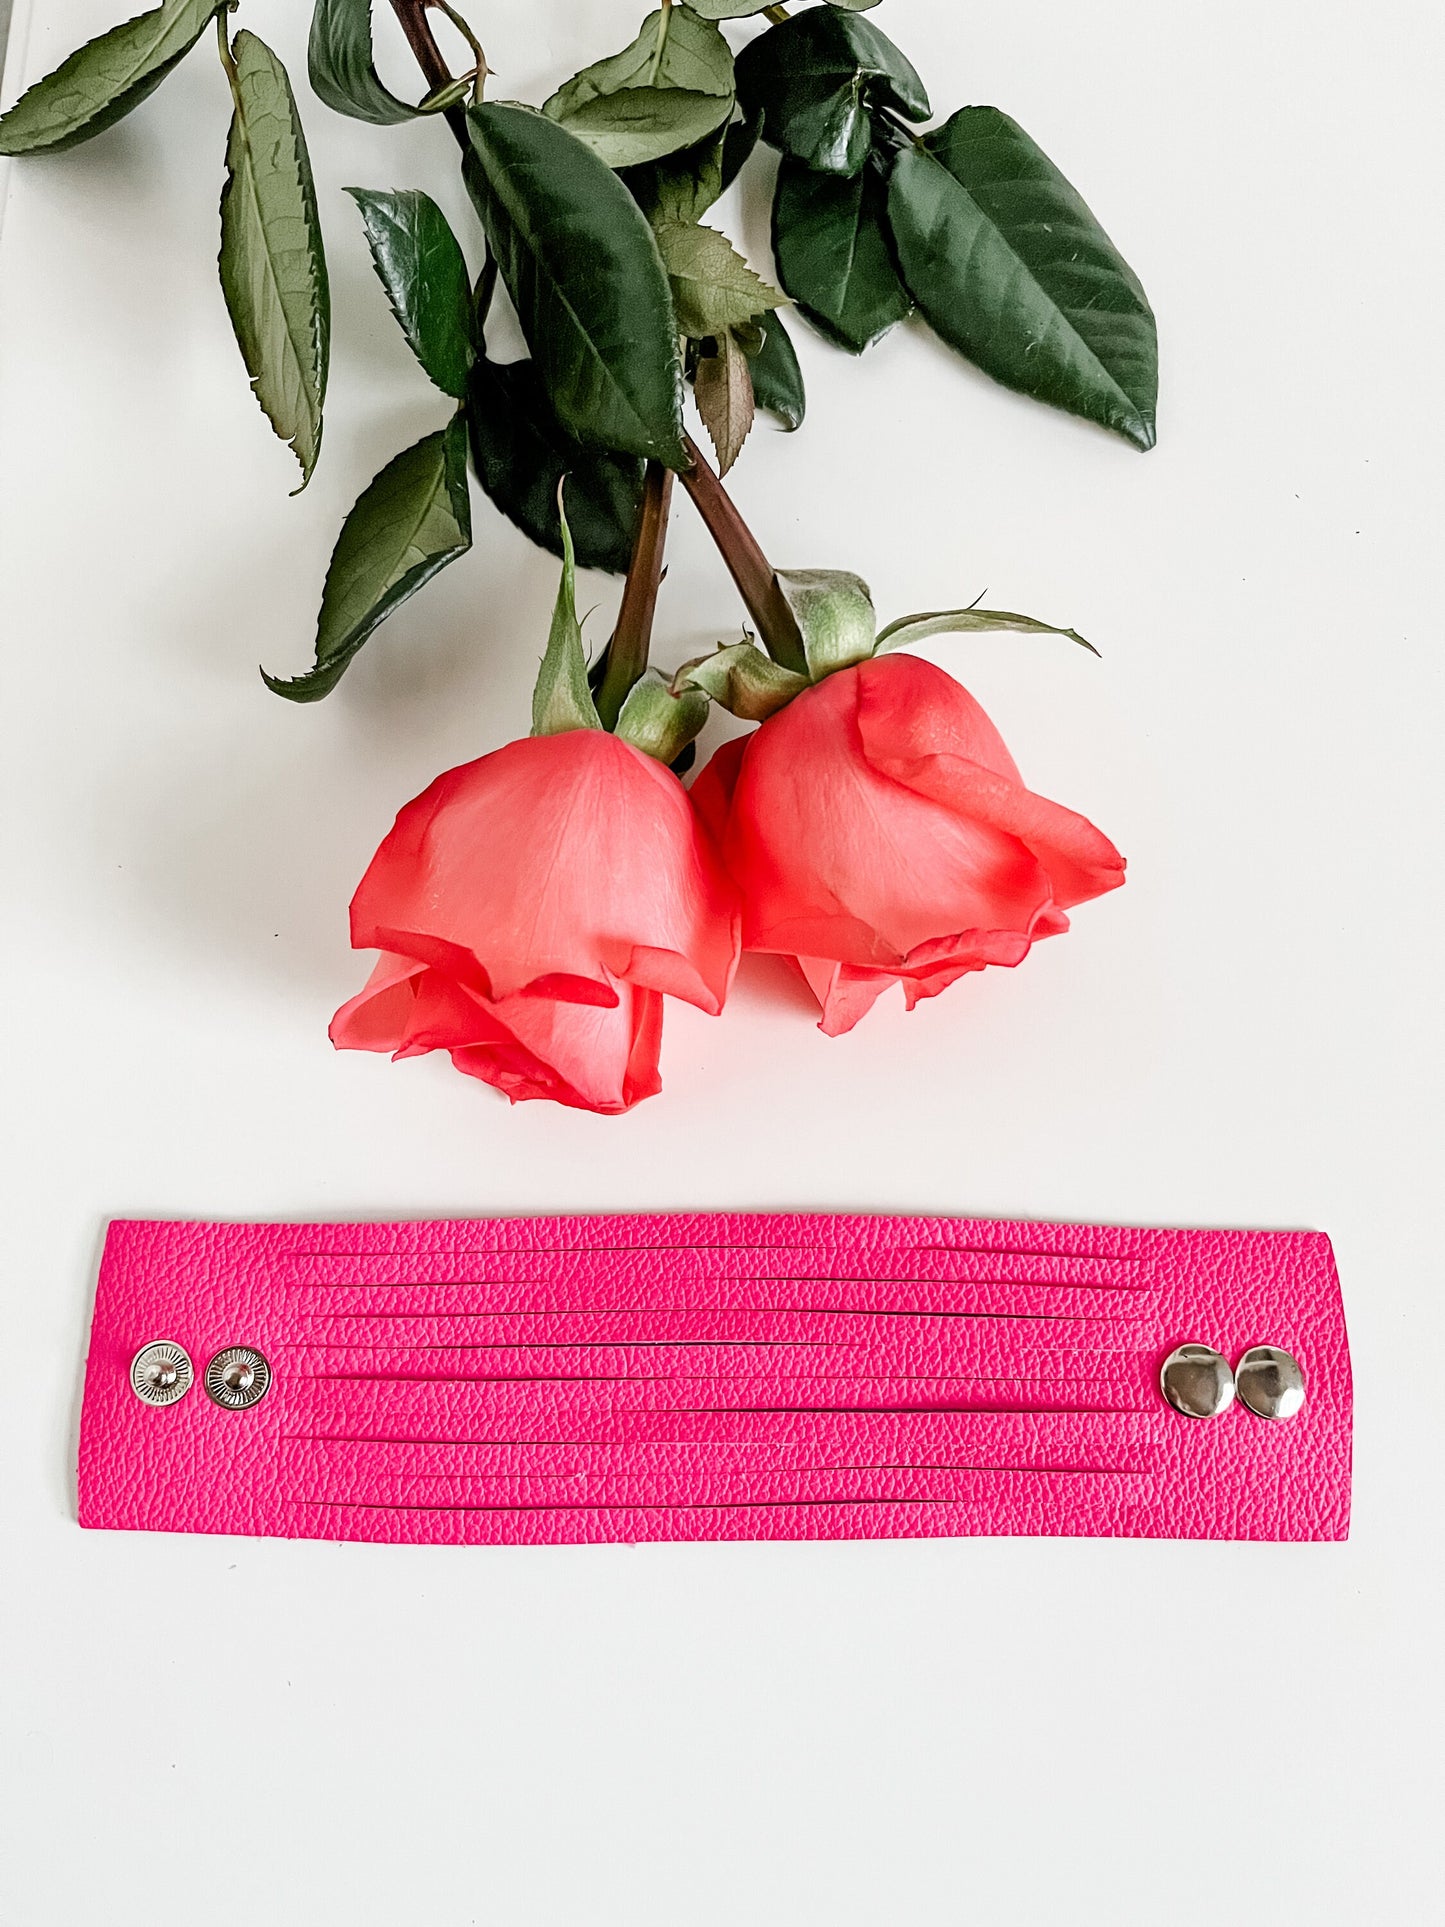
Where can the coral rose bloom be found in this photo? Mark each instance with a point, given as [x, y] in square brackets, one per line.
[880, 833]
[533, 909]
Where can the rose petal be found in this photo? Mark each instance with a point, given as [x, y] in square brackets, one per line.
[593, 1056]
[844, 992]
[922, 729]
[713, 786]
[880, 833]
[840, 859]
[377, 1016]
[571, 856]
[575, 1054]
[908, 708]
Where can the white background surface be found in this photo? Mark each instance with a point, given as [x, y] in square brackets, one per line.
[1248, 1034]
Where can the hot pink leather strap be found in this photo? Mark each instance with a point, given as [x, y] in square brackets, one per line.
[712, 1377]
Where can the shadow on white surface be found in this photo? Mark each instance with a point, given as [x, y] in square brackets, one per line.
[1249, 1033]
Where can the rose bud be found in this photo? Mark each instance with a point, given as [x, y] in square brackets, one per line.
[534, 907]
[880, 833]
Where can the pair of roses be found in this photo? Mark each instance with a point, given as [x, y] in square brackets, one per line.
[533, 908]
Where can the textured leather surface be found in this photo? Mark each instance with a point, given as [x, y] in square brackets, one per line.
[712, 1377]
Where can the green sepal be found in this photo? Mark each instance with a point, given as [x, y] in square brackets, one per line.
[420, 264]
[103, 81]
[743, 679]
[659, 721]
[562, 699]
[343, 67]
[834, 611]
[408, 523]
[941, 622]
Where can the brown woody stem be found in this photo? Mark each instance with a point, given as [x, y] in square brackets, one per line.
[429, 57]
[626, 657]
[750, 569]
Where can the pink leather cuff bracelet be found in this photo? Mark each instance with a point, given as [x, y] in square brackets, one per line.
[552, 1380]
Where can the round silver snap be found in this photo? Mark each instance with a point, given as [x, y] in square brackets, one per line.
[1270, 1382]
[238, 1378]
[1197, 1381]
[160, 1373]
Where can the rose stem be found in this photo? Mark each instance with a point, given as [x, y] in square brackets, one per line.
[626, 657]
[748, 566]
[627, 651]
[429, 57]
[750, 569]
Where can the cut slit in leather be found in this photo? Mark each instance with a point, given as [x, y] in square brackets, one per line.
[903, 1406]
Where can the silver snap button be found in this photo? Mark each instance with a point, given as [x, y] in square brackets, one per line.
[238, 1378]
[1270, 1382]
[160, 1373]
[1197, 1381]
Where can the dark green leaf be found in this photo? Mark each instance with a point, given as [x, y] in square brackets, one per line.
[562, 698]
[739, 139]
[691, 55]
[723, 387]
[409, 523]
[816, 77]
[273, 265]
[425, 276]
[777, 378]
[579, 261]
[343, 69]
[681, 186]
[834, 255]
[451, 93]
[103, 80]
[736, 9]
[640, 125]
[521, 453]
[672, 86]
[1013, 270]
[713, 288]
[684, 185]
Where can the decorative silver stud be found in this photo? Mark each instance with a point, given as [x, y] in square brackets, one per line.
[238, 1378]
[1270, 1382]
[160, 1373]
[1197, 1381]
